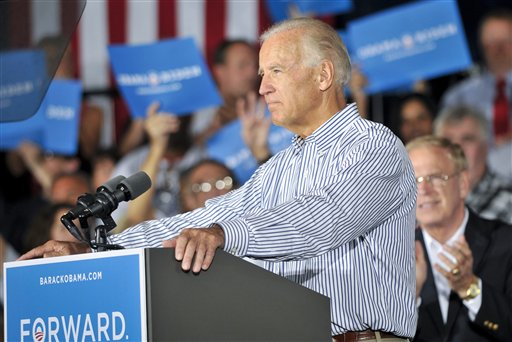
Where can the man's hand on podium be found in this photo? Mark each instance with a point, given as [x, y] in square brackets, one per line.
[56, 248]
[197, 245]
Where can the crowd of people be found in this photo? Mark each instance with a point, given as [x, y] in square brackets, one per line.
[342, 204]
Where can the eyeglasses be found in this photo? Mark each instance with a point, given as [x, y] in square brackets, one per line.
[220, 184]
[436, 180]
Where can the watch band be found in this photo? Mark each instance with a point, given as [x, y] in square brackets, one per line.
[473, 290]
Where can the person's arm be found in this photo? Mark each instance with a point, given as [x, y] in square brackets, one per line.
[133, 137]
[329, 215]
[373, 173]
[158, 127]
[31, 155]
[91, 123]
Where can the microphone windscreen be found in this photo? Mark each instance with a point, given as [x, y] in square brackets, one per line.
[136, 184]
[111, 184]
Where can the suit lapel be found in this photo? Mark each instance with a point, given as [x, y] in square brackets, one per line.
[429, 298]
[478, 239]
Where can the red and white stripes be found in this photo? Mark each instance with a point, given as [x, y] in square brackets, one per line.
[135, 22]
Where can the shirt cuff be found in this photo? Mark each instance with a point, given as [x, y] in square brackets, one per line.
[473, 305]
[418, 302]
[236, 237]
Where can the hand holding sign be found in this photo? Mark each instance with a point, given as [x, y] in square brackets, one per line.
[159, 125]
[171, 72]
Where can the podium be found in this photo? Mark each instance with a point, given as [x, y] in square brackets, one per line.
[142, 294]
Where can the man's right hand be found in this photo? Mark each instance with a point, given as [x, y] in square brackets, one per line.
[56, 248]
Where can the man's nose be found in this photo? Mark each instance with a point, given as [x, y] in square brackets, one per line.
[424, 187]
[265, 86]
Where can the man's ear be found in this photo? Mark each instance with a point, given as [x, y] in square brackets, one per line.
[326, 76]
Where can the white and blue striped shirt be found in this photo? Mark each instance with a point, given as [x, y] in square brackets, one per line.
[334, 212]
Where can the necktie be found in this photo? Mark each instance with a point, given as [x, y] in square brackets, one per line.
[501, 120]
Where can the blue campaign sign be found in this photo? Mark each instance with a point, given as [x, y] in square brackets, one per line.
[324, 7]
[23, 82]
[94, 297]
[228, 146]
[280, 10]
[345, 38]
[62, 106]
[31, 129]
[408, 43]
[54, 127]
[171, 72]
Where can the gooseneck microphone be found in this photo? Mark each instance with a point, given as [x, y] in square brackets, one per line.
[103, 203]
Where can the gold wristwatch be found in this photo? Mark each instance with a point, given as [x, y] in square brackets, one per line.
[473, 290]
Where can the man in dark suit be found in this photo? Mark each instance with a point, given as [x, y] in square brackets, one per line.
[463, 262]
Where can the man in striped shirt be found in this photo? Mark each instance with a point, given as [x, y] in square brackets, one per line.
[333, 212]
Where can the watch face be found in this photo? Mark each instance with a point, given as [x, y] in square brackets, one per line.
[472, 291]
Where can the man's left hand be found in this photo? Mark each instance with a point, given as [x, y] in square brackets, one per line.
[195, 247]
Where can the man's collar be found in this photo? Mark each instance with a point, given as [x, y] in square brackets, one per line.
[322, 136]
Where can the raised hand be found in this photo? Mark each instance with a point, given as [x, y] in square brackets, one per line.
[255, 126]
[159, 125]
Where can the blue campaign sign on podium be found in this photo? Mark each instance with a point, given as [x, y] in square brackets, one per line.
[171, 72]
[411, 42]
[90, 297]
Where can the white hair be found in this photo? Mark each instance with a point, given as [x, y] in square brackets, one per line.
[319, 41]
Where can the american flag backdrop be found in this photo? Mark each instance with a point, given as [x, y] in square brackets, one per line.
[133, 22]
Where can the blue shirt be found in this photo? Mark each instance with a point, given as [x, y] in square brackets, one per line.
[334, 212]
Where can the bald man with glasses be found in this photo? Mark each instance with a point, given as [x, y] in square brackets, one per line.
[463, 262]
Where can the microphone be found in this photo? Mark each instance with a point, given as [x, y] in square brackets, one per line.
[101, 205]
[109, 195]
[111, 184]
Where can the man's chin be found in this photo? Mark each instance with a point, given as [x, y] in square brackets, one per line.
[275, 119]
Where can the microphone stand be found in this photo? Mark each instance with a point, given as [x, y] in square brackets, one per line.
[101, 234]
[101, 206]
[100, 242]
